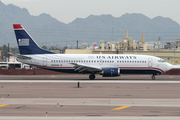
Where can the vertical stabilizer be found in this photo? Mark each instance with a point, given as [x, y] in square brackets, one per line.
[26, 44]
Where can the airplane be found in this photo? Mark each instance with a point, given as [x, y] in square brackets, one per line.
[107, 65]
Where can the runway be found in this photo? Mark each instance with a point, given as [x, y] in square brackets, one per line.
[126, 99]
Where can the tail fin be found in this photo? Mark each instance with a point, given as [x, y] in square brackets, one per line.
[26, 43]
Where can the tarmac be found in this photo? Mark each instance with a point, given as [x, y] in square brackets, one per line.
[75, 97]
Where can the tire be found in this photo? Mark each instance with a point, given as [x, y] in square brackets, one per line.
[92, 77]
[153, 77]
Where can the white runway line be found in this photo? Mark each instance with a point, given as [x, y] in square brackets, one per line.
[92, 118]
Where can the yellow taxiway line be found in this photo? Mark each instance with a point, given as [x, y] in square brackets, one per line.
[120, 108]
[2, 105]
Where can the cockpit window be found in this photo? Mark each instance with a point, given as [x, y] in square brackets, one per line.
[161, 60]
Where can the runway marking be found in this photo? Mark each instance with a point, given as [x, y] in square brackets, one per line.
[2, 105]
[120, 108]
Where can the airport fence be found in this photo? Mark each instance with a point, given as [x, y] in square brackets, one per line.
[28, 72]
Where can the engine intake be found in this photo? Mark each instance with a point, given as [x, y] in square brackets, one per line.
[111, 72]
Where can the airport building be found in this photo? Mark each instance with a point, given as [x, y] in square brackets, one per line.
[170, 52]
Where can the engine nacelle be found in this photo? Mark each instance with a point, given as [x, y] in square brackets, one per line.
[111, 72]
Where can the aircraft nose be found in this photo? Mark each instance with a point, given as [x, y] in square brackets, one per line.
[169, 66]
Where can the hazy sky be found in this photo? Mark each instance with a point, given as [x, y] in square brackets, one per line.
[68, 10]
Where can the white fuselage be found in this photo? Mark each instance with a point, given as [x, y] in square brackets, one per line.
[128, 63]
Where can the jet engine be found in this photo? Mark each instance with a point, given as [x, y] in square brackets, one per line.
[110, 72]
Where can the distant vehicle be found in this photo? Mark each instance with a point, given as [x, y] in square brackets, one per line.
[107, 65]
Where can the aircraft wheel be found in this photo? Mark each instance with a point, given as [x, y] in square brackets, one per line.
[153, 77]
[92, 77]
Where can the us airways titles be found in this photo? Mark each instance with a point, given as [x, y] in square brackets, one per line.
[116, 57]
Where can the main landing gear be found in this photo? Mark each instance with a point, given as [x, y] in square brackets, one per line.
[153, 77]
[92, 77]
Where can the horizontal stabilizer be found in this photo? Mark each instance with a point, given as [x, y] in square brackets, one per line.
[20, 56]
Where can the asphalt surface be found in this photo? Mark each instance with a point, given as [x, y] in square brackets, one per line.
[54, 97]
[90, 90]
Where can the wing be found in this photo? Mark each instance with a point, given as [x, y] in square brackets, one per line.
[84, 67]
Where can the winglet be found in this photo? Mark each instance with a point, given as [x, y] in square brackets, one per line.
[17, 26]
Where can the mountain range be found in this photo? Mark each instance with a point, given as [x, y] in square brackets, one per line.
[47, 30]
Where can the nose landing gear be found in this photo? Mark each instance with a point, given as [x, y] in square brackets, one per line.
[153, 77]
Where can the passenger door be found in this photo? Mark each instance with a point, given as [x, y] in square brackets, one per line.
[150, 62]
[44, 61]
